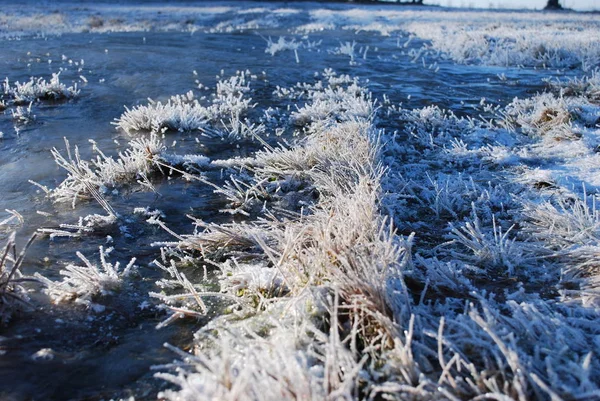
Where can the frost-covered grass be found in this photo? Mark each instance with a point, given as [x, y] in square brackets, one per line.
[221, 118]
[88, 179]
[13, 296]
[84, 284]
[347, 49]
[93, 223]
[23, 115]
[367, 313]
[459, 340]
[338, 102]
[281, 45]
[291, 270]
[495, 235]
[37, 89]
[515, 42]
[143, 159]
[587, 86]
[179, 113]
[553, 233]
[20, 97]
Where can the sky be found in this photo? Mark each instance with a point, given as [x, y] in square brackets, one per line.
[583, 5]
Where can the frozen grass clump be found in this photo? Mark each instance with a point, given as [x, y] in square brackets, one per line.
[145, 158]
[255, 281]
[13, 296]
[434, 127]
[281, 175]
[333, 99]
[587, 86]
[544, 115]
[347, 49]
[564, 223]
[330, 79]
[222, 117]
[281, 45]
[580, 280]
[235, 85]
[334, 103]
[234, 129]
[37, 89]
[24, 95]
[179, 113]
[23, 115]
[563, 132]
[321, 150]
[495, 249]
[216, 241]
[88, 179]
[285, 269]
[444, 276]
[84, 284]
[455, 197]
[571, 228]
[231, 99]
[240, 364]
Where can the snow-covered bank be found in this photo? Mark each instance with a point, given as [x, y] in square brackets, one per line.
[508, 38]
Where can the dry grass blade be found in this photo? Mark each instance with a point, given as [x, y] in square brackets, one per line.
[12, 294]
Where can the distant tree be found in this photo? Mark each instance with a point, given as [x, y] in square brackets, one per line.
[553, 5]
